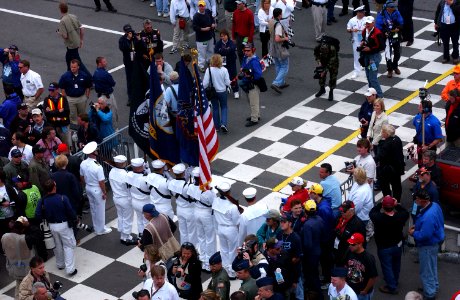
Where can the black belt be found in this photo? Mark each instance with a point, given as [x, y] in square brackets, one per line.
[319, 4]
[162, 195]
[143, 192]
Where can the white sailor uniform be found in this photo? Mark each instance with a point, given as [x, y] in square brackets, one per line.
[356, 38]
[122, 201]
[251, 219]
[160, 195]
[184, 208]
[140, 195]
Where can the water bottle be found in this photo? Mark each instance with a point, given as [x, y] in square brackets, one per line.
[278, 276]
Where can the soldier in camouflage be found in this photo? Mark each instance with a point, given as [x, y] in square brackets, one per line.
[327, 57]
[220, 282]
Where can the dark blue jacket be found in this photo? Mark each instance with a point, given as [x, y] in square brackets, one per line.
[429, 226]
[254, 65]
[57, 209]
[227, 50]
[312, 234]
[103, 81]
[386, 21]
[126, 47]
[324, 210]
[201, 21]
[10, 72]
[5, 141]
[67, 184]
[365, 112]
[430, 188]
[9, 109]
[75, 86]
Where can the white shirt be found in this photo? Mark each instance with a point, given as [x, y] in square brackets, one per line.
[169, 97]
[225, 212]
[287, 9]
[118, 184]
[31, 82]
[139, 189]
[363, 198]
[220, 78]
[347, 290]
[251, 220]
[264, 18]
[166, 292]
[367, 163]
[178, 188]
[178, 8]
[26, 153]
[359, 24]
[92, 171]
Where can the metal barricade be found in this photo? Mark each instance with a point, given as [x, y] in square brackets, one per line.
[345, 187]
[118, 143]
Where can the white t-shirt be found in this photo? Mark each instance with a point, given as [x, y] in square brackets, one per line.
[31, 82]
[347, 290]
[363, 198]
[166, 292]
[368, 164]
[26, 153]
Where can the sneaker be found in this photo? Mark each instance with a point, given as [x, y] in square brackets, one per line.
[173, 50]
[165, 15]
[151, 5]
[106, 231]
[354, 76]
[159, 14]
[276, 88]
[236, 95]
[73, 273]
[223, 128]
[284, 85]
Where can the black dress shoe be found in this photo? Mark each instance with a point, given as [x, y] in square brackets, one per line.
[329, 23]
[73, 273]
[276, 88]
[334, 20]
[321, 92]
[112, 9]
[409, 43]
[249, 119]
[251, 123]
[97, 9]
[129, 242]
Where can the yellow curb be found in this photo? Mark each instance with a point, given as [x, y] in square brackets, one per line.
[355, 134]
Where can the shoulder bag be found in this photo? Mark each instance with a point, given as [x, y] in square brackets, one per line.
[169, 247]
[211, 92]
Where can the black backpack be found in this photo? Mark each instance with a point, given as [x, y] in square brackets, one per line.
[329, 40]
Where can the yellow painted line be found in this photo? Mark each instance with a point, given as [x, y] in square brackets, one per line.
[355, 134]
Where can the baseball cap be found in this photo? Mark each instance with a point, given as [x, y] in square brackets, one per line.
[339, 272]
[22, 219]
[202, 3]
[21, 106]
[127, 28]
[296, 181]
[388, 201]
[13, 47]
[316, 188]
[38, 149]
[248, 45]
[286, 218]
[356, 238]
[240, 1]
[346, 205]
[273, 214]
[391, 4]
[423, 171]
[62, 148]
[36, 111]
[310, 205]
[16, 153]
[370, 19]
[150, 209]
[18, 178]
[274, 243]
[53, 86]
[370, 92]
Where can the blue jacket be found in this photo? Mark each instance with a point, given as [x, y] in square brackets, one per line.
[365, 112]
[103, 81]
[386, 21]
[227, 50]
[103, 121]
[430, 188]
[57, 209]
[9, 109]
[324, 210]
[313, 234]
[432, 128]
[429, 226]
[10, 72]
[75, 86]
[254, 65]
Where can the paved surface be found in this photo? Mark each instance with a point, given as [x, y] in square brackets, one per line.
[295, 127]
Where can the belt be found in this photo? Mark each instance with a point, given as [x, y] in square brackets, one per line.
[58, 222]
[319, 4]
[225, 225]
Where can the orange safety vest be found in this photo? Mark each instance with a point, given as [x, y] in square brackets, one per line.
[59, 106]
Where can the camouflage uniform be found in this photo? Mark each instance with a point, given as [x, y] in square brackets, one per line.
[328, 57]
[220, 283]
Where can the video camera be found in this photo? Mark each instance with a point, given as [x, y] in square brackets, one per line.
[318, 71]
[245, 73]
[57, 285]
[287, 44]
[350, 165]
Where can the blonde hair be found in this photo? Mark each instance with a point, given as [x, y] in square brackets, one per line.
[61, 161]
[261, 6]
[360, 175]
[209, 295]
[380, 101]
[216, 60]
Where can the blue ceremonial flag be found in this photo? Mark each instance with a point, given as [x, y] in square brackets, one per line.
[163, 143]
[188, 140]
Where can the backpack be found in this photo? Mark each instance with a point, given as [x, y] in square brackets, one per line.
[329, 40]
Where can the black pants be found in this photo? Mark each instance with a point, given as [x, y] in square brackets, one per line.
[73, 54]
[311, 275]
[107, 3]
[326, 259]
[129, 78]
[390, 177]
[264, 39]
[356, 4]
[239, 47]
[447, 33]
[396, 51]
[406, 8]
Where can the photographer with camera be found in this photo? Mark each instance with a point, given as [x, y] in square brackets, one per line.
[390, 22]
[249, 251]
[250, 74]
[186, 272]
[11, 75]
[279, 46]
[327, 58]
[100, 114]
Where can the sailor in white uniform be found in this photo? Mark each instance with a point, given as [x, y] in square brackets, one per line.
[92, 176]
[139, 191]
[122, 199]
[355, 26]
[184, 204]
[160, 195]
[253, 216]
[227, 218]
[205, 230]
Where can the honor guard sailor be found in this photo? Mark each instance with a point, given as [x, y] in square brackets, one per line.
[227, 218]
[205, 230]
[355, 26]
[178, 188]
[139, 191]
[253, 216]
[122, 199]
[160, 195]
[92, 176]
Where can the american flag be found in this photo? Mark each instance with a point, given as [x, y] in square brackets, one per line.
[204, 129]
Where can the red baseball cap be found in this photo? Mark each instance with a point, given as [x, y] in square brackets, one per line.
[388, 201]
[356, 238]
[62, 148]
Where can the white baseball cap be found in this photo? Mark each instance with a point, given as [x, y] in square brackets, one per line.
[370, 19]
[296, 181]
[370, 92]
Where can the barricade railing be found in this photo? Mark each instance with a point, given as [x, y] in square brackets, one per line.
[118, 143]
[345, 187]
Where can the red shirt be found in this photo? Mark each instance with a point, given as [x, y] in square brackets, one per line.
[243, 24]
[301, 195]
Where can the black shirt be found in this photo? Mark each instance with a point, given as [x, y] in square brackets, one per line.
[361, 268]
[388, 229]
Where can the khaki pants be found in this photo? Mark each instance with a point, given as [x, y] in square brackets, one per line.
[253, 97]
[228, 22]
[77, 106]
[180, 36]
[319, 14]
[31, 102]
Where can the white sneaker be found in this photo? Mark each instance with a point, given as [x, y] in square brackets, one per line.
[165, 15]
[106, 231]
[236, 95]
[151, 5]
[159, 14]
[354, 76]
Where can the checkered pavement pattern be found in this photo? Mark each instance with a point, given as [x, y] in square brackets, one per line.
[107, 269]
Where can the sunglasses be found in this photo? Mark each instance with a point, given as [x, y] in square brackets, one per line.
[188, 245]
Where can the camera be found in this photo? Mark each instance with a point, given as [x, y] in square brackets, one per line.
[422, 93]
[350, 165]
[143, 268]
[317, 72]
[57, 285]
[287, 44]
[245, 73]
[241, 250]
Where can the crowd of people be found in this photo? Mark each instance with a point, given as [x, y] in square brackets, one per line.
[277, 253]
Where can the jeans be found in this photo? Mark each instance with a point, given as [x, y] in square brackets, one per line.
[428, 257]
[371, 74]
[390, 261]
[365, 297]
[162, 6]
[281, 67]
[256, 18]
[220, 118]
